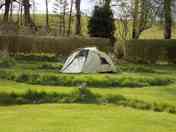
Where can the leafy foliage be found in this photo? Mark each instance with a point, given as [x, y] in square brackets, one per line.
[101, 24]
[6, 62]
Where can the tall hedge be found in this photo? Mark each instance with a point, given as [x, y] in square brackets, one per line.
[151, 51]
[55, 45]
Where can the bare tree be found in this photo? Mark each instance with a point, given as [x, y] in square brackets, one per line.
[70, 18]
[78, 17]
[143, 14]
[27, 17]
[6, 13]
[47, 16]
[167, 19]
[135, 13]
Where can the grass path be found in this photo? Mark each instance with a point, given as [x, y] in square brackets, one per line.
[83, 118]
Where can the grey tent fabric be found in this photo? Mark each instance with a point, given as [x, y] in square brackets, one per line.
[88, 60]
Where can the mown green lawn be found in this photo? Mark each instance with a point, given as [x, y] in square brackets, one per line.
[83, 118]
[159, 94]
[90, 117]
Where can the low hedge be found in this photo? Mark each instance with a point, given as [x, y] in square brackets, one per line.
[81, 95]
[89, 80]
[151, 51]
[47, 44]
[36, 57]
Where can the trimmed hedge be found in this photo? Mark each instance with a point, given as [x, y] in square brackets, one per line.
[55, 45]
[151, 51]
[81, 95]
[89, 80]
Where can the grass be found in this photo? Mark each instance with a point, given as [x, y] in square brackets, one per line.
[91, 117]
[47, 73]
[161, 94]
[165, 94]
[82, 118]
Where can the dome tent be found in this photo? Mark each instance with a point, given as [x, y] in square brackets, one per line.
[88, 60]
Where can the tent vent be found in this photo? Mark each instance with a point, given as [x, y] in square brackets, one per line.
[103, 60]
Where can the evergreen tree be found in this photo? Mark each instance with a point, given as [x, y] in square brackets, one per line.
[101, 24]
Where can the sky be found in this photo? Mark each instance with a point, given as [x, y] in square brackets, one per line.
[86, 5]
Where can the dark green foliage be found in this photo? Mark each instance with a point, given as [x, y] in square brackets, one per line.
[171, 53]
[49, 66]
[81, 95]
[101, 24]
[90, 80]
[37, 57]
[151, 51]
[137, 68]
[117, 99]
[61, 46]
[23, 78]
[7, 62]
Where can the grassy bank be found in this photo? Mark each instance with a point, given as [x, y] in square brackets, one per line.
[79, 118]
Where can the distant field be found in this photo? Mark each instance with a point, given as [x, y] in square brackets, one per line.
[83, 118]
[156, 32]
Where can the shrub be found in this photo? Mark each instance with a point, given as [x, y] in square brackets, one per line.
[137, 68]
[102, 16]
[90, 80]
[6, 62]
[51, 66]
[83, 95]
[37, 57]
[24, 77]
[61, 46]
[114, 99]
[151, 51]
[7, 99]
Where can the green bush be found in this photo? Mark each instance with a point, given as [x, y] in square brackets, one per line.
[49, 66]
[90, 80]
[151, 51]
[37, 57]
[61, 46]
[7, 62]
[101, 24]
[137, 68]
[81, 95]
[24, 77]
[114, 99]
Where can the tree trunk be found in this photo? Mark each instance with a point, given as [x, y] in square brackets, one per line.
[6, 13]
[11, 10]
[167, 19]
[33, 12]
[47, 16]
[78, 17]
[64, 14]
[21, 14]
[135, 19]
[27, 18]
[70, 18]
